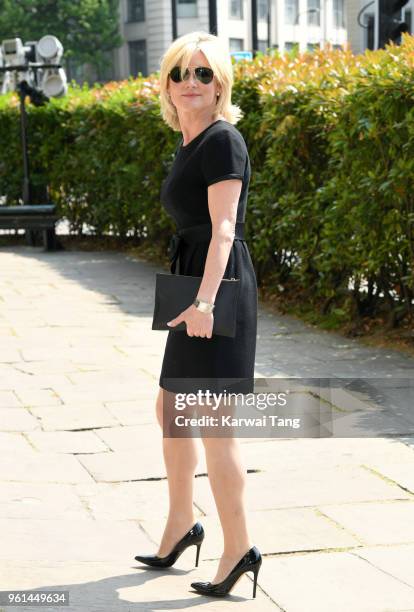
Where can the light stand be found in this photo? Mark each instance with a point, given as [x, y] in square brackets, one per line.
[38, 98]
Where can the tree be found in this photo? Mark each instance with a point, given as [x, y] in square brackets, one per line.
[87, 29]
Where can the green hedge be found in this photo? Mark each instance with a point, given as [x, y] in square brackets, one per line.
[103, 152]
[331, 142]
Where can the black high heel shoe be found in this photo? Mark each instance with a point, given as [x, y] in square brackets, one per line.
[251, 562]
[193, 537]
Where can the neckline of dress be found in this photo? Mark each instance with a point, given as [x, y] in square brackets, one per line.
[198, 135]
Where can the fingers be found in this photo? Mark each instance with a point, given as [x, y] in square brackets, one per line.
[190, 332]
[175, 321]
[199, 334]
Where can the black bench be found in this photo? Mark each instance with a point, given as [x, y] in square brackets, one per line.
[32, 217]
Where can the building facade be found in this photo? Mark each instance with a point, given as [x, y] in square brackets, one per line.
[146, 27]
[362, 20]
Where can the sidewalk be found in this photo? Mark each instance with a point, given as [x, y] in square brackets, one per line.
[83, 486]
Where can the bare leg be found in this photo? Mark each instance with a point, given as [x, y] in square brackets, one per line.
[227, 480]
[181, 459]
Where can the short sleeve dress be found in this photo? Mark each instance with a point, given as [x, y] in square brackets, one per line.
[219, 363]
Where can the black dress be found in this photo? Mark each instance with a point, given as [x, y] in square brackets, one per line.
[218, 153]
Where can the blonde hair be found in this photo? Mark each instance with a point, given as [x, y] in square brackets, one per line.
[179, 53]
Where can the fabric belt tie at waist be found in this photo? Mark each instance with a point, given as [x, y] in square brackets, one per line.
[194, 234]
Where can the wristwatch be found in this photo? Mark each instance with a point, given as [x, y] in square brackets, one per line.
[203, 306]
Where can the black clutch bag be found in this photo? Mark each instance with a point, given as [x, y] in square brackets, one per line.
[176, 292]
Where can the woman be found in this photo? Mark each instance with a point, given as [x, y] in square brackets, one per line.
[206, 194]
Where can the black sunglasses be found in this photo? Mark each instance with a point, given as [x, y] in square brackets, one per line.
[202, 73]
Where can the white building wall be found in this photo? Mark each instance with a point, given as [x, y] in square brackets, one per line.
[156, 30]
[159, 31]
[303, 33]
[357, 36]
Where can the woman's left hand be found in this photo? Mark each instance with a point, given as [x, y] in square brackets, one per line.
[198, 323]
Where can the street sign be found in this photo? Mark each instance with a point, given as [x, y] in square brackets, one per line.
[241, 55]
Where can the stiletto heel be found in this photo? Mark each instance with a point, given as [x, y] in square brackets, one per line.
[194, 536]
[256, 571]
[251, 562]
[198, 553]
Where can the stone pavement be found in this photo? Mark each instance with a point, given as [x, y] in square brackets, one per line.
[82, 481]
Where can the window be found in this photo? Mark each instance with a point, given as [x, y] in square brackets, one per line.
[313, 46]
[136, 10]
[291, 11]
[187, 8]
[236, 44]
[314, 12]
[408, 20]
[262, 10]
[338, 14]
[236, 9]
[137, 57]
[262, 45]
[290, 46]
[369, 31]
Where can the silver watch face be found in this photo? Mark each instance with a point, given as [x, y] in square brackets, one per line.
[204, 306]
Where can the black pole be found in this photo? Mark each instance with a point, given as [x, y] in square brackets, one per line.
[174, 18]
[212, 17]
[254, 28]
[32, 237]
[23, 133]
[269, 24]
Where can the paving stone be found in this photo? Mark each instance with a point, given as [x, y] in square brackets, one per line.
[81, 540]
[6, 333]
[121, 585]
[124, 465]
[308, 487]
[42, 467]
[394, 521]
[369, 424]
[398, 561]
[408, 440]
[401, 473]
[11, 378]
[14, 442]
[142, 500]
[8, 355]
[136, 464]
[93, 394]
[67, 441]
[78, 416]
[129, 437]
[38, 397]
[86, 355]
[116, 377]
[344, 399]
[68, 336]
[332, 581]
[272, 531]
[43, 369]
[74, 513]
[137, 412]
[296, 453]
[17, 419]
[24, 501]
[17, 379]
